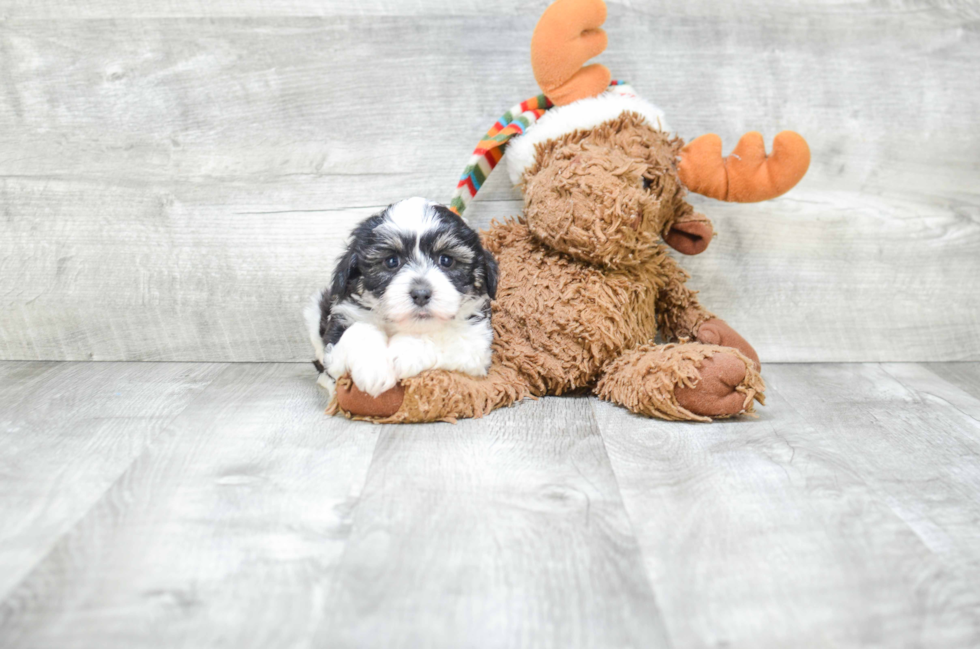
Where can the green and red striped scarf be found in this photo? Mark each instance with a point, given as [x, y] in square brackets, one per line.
[491, 148]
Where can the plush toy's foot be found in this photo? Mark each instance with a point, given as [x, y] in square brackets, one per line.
[718, 332]
[436, 395]
[716, 393]
[692, 382]
[351, 399]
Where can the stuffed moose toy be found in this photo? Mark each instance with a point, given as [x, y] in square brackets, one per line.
[585, 279]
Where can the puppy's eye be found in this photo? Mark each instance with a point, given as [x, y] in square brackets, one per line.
[646, 183]
[392, 262]
[446, 261]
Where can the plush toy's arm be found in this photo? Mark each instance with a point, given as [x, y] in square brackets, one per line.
[679, 315]
[680, 318]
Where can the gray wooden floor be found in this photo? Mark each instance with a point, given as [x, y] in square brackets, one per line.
[200, 505]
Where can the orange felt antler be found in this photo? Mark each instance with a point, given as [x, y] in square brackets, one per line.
[567, 35]
[747, 175]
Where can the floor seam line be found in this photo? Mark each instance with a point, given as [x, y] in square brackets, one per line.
[629, 519]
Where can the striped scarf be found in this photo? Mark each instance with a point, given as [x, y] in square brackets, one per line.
[491, 148]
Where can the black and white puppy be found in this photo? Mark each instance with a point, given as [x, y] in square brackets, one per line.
[411, 293]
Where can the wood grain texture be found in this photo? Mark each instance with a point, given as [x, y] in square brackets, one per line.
[67, 432]
[198, 505]
[965, 376]
[833, 278]
[844, 516]
[502, 532]
[225, 532]
[953, 385]
[101, 9]
[176, 180]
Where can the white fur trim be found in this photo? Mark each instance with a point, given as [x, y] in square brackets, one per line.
[582, 114]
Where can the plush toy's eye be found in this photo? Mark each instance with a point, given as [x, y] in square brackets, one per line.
[392, 262]
[446, 261]
[646, 183]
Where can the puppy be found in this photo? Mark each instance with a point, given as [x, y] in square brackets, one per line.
[411, 293]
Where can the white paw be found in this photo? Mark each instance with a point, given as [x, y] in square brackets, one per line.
[327, 384]
[363, 352]
[411, 356]
[335, 361]
[372, 372]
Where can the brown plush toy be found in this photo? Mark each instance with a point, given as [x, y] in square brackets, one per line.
[586, 280]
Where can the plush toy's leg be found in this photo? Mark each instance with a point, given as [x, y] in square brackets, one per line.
[436, 395]
[690, 381]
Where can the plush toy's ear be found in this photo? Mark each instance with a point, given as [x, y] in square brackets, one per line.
[490, 271]
[690, 234]
[748, 175]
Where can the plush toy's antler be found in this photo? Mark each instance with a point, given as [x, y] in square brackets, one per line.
[567, 35]
[747, 175]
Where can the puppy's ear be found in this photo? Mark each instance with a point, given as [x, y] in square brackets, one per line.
[344, 275]
[347, 271]
[490, 271]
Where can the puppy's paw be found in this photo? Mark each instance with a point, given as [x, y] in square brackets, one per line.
[372, 371]
[335, 362]
[327, 384]
[362, 351]
[410, 356]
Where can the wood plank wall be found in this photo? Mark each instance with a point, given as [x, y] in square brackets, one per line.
[176, 177]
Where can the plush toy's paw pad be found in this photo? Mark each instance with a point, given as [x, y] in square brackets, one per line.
[353, 400]
[718, 332]
[715, 394]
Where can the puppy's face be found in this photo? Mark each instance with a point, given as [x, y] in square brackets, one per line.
[415, 265]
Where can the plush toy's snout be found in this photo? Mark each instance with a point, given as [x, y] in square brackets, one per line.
[690, 234]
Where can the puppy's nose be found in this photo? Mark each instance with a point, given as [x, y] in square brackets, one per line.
[421, 295]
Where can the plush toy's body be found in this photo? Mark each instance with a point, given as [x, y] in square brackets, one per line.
[586, 281]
